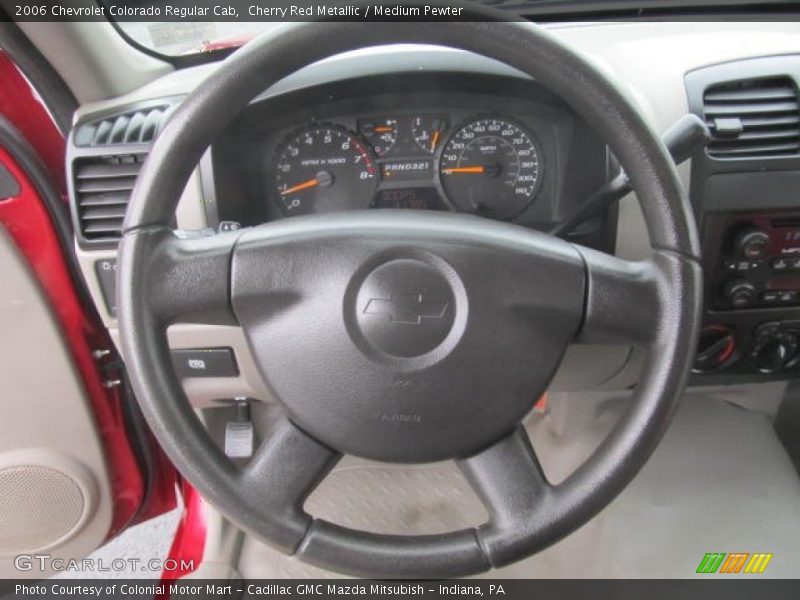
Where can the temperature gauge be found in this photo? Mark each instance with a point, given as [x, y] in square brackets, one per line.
[380, 133]
[428, 132]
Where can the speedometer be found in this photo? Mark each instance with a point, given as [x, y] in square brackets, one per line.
[492, 167]
[324, 168]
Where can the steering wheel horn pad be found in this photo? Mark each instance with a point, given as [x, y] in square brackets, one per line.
[382, 339]
[445, 365]
[404, 308]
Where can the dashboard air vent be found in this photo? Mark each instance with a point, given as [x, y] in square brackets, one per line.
[755, 118]
[135, 127]
[103, 186]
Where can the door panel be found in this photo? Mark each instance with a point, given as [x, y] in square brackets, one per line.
[55, 493]
[31, 234]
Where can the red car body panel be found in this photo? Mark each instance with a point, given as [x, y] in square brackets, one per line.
[188, 544]
[22, 106]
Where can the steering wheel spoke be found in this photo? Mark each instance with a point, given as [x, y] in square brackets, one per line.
[624, 299]
[508, 479]
[287, 467]
[188, 279]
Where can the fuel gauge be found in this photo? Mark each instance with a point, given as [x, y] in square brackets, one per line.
[380, 133]
[428, 131]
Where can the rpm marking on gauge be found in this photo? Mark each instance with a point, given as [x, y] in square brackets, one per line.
[322, 169]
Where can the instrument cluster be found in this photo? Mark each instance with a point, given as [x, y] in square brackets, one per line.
[486, 164]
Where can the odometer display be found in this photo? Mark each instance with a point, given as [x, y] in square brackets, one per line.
[491, 167]
[323, 169]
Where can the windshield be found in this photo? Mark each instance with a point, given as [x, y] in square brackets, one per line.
[175, 39]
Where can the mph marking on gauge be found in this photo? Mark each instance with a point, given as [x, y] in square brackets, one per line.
[491, 167]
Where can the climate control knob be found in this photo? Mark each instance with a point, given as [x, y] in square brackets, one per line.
[740, 292]
[775, 349]
[715, 348]
[752, 243]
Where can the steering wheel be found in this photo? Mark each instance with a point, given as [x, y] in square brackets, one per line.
[487, 310]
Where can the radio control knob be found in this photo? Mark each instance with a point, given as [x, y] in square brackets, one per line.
[752, 243]
[740, 292]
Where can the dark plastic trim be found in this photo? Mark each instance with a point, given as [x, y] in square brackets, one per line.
[75, 152]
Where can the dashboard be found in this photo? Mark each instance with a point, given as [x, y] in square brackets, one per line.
[437, 129]
[491, 147]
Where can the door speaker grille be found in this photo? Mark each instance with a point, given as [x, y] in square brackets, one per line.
[39, 506]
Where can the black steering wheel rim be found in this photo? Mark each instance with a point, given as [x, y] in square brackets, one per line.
[527, 514]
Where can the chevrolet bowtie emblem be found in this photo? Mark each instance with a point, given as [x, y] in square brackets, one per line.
[406, 308]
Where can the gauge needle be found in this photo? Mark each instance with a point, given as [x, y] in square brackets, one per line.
[301, 186]
[383, 129]
[323, 178]
[434, 140]
[473, 169]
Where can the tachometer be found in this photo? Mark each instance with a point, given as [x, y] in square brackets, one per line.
[324, 168]
[491, 166]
